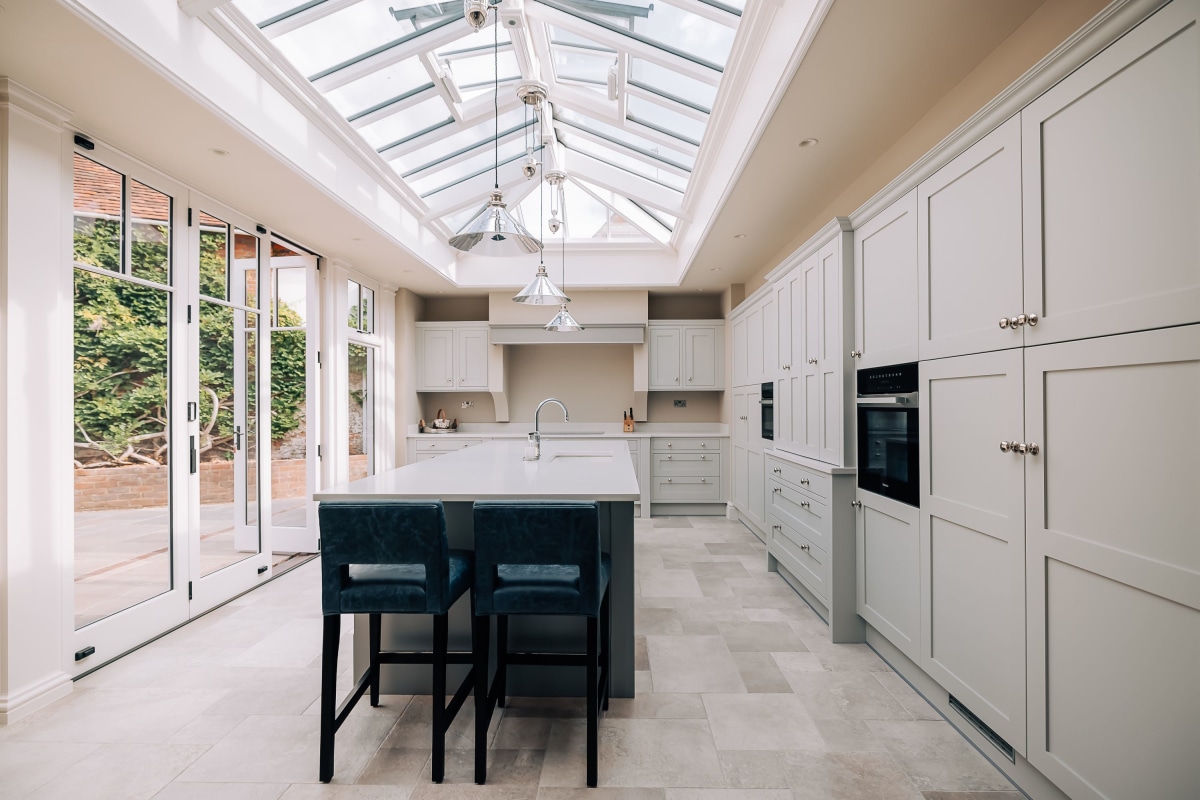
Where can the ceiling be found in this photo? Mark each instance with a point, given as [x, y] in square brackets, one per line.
[872, 70]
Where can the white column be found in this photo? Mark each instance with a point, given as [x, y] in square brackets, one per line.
[36, 486]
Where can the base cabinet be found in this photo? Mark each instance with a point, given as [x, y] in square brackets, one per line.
[888, 569]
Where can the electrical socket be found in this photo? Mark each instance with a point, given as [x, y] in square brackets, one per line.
[681, 403]
[468, 403]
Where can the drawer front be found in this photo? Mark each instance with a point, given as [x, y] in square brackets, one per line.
[801, 511]
[696, 445]
[427, 456]
[810, 480]
[633, 444]
[685, 490]
[444, 445]
[706, 465]
[804, 559]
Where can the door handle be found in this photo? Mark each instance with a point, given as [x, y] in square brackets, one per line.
[237, 438]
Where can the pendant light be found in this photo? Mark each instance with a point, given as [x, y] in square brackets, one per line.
[540, 291]
[493, 231]
[563, 322]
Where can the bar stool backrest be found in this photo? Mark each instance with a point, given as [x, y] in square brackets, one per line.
[544, 540]
[395, 533]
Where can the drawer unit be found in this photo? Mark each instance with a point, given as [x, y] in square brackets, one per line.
[818, 483]
[444, 444]
[707, 465]
[685, 490]
[675, 445]
[803, 559]
[800, 510]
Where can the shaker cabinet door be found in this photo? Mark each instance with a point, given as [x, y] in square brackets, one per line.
[666, 356]
[969, 249]
[885, 286]
[472, 352]
[437, 359]
[888, 567]
[1112, 187]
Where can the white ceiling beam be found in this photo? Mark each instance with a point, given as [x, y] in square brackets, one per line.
[601, 35]
[605, 142]
[636, 217]
[424, 139]
[194, 8]
[464, 156]
[302, 18]
[618, 180]
[410, 48]
[592, 104]
[517, 26]
[394, 108]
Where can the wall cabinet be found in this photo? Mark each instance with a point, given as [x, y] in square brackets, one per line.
[888, 569]
[811, 534]
[1111, 166]
[452, 357]
[885, 286]
[969, 249]
[686, 356]
[972, 535]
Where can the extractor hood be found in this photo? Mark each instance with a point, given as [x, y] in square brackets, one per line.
[591, 334]
[606, 317]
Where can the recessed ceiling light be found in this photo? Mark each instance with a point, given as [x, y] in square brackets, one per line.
[739, 236]
[218, 151]
[356, 238]
[807, 142]
[715, 269]
[407, 271]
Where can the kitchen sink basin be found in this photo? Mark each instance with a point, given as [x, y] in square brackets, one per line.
[570, 434]
[581, 457]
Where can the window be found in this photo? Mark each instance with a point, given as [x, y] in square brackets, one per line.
[361, 306]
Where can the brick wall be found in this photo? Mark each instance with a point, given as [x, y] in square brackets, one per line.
[116, 488]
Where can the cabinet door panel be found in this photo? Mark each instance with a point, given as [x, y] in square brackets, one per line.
[783, 333]
[755, 366]
[437, 359]
[885, 285]
[741, 479]
[1114, 563]
[738, 358]
[808, 430]
[969, 248]
[888, 566]
[1112, 187]
[756, 489]
[472, 347]
[700, 350]
[973, 536]
[665, 355]
[830, 352]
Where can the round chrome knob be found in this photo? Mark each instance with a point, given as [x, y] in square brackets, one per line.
[804, 504]
[856, 503]
[804, 547]
[856, 353]
[1003, 322]
[1005, 447]
[1033, 448]
[812, 361]
[1032, 320]
[1015, 322]
[669, 458]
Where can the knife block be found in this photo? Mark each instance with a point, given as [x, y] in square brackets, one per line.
[627, 427]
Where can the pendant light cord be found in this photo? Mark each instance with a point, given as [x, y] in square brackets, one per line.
[496, 89]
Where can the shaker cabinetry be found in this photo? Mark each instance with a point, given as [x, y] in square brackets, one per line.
[452, 357]
[888, 569]
[686, 356]
[969, 249]
[885, 286]
[747, 456]
[1111, 166]
[685, 470]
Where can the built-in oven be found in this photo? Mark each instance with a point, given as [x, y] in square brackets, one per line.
[766, 401]
[887, 432]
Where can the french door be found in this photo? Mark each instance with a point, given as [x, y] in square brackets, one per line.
[170, 388]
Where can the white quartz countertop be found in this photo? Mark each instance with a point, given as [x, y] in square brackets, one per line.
[582, 430]
[598, 470]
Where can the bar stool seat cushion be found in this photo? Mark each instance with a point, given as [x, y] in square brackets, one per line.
[541, 588]
[400, 588]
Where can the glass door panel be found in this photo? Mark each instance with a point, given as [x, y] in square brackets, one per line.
[361, 433]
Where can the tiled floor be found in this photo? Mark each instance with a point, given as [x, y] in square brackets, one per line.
[740, 696]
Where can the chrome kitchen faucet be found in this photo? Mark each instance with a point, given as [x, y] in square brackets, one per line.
[535, 436]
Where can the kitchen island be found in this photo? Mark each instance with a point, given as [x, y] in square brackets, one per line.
[597, 470]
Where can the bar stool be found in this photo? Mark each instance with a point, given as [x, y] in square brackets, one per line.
[539, 558]
[389, 558]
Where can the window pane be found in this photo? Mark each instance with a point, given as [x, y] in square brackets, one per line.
[289, 428]
[484, 159]
[246, 263]
[342, 36]
[258, 11]
[482, 132]
[121, 437]
[663, 119]
[99, 203]
[367, 318]
[617, 158]
[150, 233]
[250, 412]
[579, 65]
[669, 82]
[478, 67]
[214, 257]
[361, 433]
[664, 24]
[352, 302]
[406, 123]
[380, 86]
[291, 297]
[627, 138]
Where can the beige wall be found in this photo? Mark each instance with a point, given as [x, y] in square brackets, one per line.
[409, 308]
[483, 407]
[594, 380]
[685, 306]
[1044, 30]
[701, 407]
[455, 309]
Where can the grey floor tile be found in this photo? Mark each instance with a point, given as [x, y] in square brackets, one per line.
[847, 776]
[760, 637]
[27, 765]
[125, 771]
[226, 791]
[936, 757]
[692, 664]
[635, 752]
[753, 769]
[760, 673]
[761, 722]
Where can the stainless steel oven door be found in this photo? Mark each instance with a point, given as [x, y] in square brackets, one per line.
[887, 447]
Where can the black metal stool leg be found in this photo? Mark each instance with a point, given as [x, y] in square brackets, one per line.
[329, 655]
[480, 633]
[593, 661]
[376, 626]
[440, 636]
[605, 648]
[501, 659]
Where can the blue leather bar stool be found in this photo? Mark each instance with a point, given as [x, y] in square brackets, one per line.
[540, 558]
[389, 557]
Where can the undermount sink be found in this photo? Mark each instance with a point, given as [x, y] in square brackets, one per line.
[581, 457]
[568, 434]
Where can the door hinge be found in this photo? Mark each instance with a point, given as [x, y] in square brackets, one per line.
[319, 365]
[189, 218]
[189, 590]
[194, 456]
[189, 313]
[318, 452]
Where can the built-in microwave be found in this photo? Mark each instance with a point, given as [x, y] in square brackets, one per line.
[767, 402]
[888, 432]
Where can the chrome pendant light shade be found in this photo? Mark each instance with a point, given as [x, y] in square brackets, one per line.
[563, 322]
[540, 291]
[494, 232]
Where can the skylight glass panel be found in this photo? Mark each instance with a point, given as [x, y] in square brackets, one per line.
[259, 11]
[436, 179]
[581, 65]
[507, 84]
[480, 67]
[699, 38]
[473, 43]
[381, 86]
[663, 119]
[669, 83]
[478, 135]
[563, 36]
[412, 120]
[339, 37]
[618, 158]
[631, 140]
